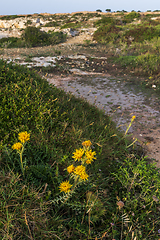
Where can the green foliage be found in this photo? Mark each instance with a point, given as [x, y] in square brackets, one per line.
[106, 33]
[25, 207]
[105, 20]
[140, 34]
[131, 16]
[11, 17]
[33, 37]
[98, 10]
[52, 24]
[146, 64]
[139, 190]
[11, 42]
[29, 22]
[108, 10]
[71, 25]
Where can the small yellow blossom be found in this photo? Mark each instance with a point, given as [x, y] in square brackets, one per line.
[24, 136]
[84, 176]
[87, 143]
[17, 146]
[70, 168]
[88, 161]
[79, 170]
[65, 186]
[78, 154]
[90, 156]
[132, 119]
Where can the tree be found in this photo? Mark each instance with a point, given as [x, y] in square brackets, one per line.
[98, 10]
[108, 10]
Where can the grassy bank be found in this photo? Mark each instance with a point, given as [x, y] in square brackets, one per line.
[44, 195]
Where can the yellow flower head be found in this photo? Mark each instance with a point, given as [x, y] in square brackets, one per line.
[77, 155]
[87, 143]
[88, 161]
[17, 146]
[65, 186]
[79, 170]
[70, 168]
[132, 119]
[90, 156]
[84, 176]
[24, 136]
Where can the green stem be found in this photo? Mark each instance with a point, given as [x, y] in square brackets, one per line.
[20, 154]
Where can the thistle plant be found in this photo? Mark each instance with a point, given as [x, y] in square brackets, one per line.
[19, 146]
[84, 156]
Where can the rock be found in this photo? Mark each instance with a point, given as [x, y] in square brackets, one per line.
[38, 20]
[73, 32]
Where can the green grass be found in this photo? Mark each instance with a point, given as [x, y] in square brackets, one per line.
[32, 206]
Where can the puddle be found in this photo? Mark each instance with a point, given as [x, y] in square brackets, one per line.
[121, 103]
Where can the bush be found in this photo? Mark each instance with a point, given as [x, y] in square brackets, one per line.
[105, 20]
[140, 34]
[131, 16]
[106, 33]
[35, 37]
[52, 24]
[11, 42]
[71, 25]
[57, 37]
[10, 17]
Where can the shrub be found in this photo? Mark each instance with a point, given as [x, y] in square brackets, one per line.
[71, 25]
[11, 42]
[51, 24]
[131, 16]
[57, 37]
[35, 37]
[106, 33]
[140, 34]
[10, 17]
[105, 20]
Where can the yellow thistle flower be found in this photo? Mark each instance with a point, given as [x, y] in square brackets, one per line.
[87, 143]
[90, 156]
[17, 146]
[65, 186]
[79, 170]
[70, 168]
[78, 154]
[84, 176]
[24, 136]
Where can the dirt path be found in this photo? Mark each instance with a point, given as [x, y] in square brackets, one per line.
[121, 103]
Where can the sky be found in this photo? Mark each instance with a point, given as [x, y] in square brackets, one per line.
[13, 7]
